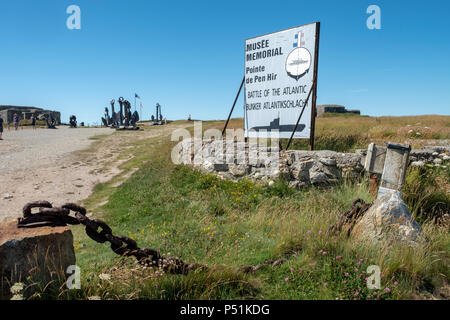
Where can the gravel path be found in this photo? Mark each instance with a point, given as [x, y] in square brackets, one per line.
[40, 165]
[28, 149]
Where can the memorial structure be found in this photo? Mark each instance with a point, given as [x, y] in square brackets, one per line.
[7, 113]
[122, 120]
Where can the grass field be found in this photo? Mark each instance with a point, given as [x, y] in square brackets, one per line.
[347, 132]
[200, 218]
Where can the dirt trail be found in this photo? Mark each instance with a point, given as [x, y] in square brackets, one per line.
[48, 165]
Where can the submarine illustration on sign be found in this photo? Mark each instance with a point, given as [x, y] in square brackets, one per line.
[298, 61]
[275, 125]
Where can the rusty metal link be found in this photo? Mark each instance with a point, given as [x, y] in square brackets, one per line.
[36, 204]
[74, 207]
[47, 215]
[147, 256]
[92, 229]
[349, 218]
[121, 245]
[129, 249]
[54, 212]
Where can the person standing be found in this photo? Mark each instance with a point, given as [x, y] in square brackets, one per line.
[33, 121]
[16, 121]
[1, 127]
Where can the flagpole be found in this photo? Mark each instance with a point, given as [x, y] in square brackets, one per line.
[134, 101]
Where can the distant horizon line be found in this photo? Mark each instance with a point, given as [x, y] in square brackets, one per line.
[354, 115]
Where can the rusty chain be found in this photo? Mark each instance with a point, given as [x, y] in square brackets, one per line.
[349, 218]
[121, 245]
[125, 246]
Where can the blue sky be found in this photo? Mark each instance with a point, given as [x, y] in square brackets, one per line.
[189, 55]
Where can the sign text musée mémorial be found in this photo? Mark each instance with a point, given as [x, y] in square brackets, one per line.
[279, 73]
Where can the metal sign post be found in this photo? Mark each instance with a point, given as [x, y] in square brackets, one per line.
[232, 108]
[314, 98]
[281, 83]
[299, 117]
[279, 68]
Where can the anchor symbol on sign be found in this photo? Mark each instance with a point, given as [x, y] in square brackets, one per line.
[298, 61]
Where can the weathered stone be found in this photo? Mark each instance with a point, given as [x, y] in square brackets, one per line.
[332, 172]
[345, 160]
[238, 170]
[304, 165]
[274, 173]
[37, 255]
[388, 219]
[301, 175]
[300, 170]
[438, 148]
[294, 184]
[328, 161]
[317, 177]
[208, 166]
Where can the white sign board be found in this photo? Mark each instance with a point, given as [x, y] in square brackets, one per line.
[279, 73]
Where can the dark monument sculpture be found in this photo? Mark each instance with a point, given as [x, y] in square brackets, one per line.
[107, 117]
[106, 120]
[127, 112]
[124, 119]
[121, 100]
[114, 120]
[49, 120]
[73, 121]
[158, 119]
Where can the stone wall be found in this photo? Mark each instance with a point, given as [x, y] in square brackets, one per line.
[435, 155]
[299, 167]
[236, 160]
[431, 155]
[302, 168]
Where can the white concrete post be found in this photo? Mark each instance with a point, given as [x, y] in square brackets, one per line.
[394, 171]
